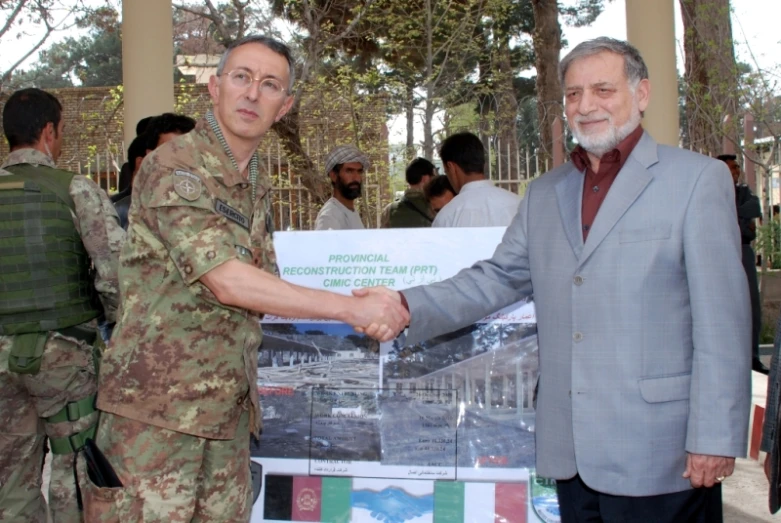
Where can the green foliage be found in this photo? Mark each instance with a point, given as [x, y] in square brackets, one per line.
[207, 28]
[91, 60]
[185, 99]
[768, 332]
[768, 242]
[582, 13]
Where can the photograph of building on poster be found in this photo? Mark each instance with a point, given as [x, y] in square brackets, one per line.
[296, 359]
[465, 399]
[480, 380]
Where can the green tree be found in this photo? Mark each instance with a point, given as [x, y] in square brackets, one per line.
[39, 19]
[428, 47]
[202, 26]
[92, 60]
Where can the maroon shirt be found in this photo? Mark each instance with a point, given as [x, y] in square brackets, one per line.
[596, 185]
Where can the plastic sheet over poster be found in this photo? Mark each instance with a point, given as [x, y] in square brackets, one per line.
[442, 431]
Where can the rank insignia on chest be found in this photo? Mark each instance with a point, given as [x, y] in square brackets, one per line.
[230, 213]
[187, 185]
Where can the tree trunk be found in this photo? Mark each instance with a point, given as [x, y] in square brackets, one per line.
[410, 114]
[547, 45]
[289, 131]
[428, 138]
[428, 118]
[711, 74]
[485, 104]
[506, 119]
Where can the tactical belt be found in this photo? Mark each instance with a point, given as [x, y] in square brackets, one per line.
[72, 443]
[74, 410]
[71, 412]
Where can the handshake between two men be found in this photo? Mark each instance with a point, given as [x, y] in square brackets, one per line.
[383, 316]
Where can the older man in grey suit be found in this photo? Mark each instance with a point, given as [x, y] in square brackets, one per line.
[633, 256]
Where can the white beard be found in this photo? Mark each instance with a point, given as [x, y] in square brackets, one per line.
[600, 144]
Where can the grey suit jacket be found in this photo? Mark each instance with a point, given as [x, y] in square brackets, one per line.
[644, 329]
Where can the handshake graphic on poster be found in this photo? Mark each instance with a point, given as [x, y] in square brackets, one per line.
[393, 505]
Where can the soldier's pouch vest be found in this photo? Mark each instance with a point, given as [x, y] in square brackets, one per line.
[45, 281]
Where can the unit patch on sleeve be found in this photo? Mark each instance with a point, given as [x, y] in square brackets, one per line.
[187, 185]
[230, 213]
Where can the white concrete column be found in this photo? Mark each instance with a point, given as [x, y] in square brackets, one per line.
[650, 26]
[147, 61]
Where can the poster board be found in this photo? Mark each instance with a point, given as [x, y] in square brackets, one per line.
[358, 431]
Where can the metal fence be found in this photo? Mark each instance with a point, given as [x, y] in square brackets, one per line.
[512, 168]
[296, 210]
[294, 207]
[104, 169]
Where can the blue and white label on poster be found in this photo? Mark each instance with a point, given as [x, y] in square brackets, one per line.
[354, 430]
[544, 500]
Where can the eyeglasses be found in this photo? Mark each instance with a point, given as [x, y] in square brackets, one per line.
[268, 87]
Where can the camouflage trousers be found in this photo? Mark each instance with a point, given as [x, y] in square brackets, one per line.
[169, 476]
[67, 374]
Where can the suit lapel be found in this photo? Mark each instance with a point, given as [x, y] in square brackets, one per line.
[631, 181]
[569, 193]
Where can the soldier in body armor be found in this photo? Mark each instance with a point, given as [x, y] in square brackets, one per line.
[54, 227]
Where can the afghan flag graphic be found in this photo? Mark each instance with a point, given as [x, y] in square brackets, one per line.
[307, 498]
[359, 500]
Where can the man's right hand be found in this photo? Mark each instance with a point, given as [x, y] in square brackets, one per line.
[380, 314]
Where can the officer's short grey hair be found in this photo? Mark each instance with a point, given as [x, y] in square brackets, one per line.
[273, 44]
[634, 65]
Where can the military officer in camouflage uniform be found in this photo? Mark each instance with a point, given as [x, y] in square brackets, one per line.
[178, 384]
[53, 226]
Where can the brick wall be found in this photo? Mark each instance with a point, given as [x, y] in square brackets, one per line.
[94, 120]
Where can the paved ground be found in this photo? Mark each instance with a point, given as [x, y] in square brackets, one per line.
[745, 495]
[746, 492]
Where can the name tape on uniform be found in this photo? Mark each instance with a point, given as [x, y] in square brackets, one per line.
[230, 213]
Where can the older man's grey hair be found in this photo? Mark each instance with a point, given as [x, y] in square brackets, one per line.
[275, 45]
[634, 65]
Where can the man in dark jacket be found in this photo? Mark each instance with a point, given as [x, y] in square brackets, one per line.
[748, 210]
[158, 130]
[412, 209]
